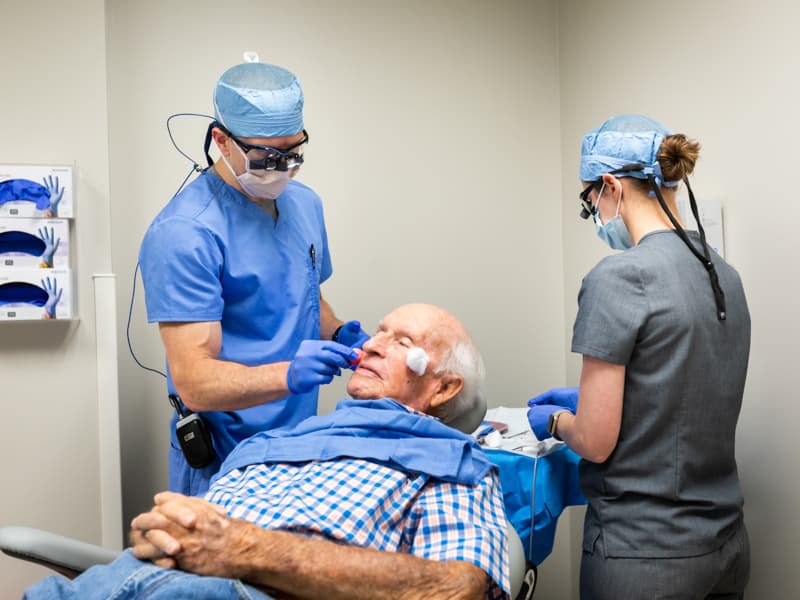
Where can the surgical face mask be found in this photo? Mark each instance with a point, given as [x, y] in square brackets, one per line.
[614, 233]
[266, 186]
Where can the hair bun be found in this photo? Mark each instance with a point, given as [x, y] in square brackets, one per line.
[677, 156]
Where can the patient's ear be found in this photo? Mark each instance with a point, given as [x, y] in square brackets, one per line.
[449, 386]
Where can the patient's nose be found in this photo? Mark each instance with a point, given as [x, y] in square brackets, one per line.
[375, 344]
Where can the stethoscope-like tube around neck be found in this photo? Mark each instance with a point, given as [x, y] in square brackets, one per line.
[705, 257]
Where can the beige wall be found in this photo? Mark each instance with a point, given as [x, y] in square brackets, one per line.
[724, 72]
[442, 135]
[53, 103]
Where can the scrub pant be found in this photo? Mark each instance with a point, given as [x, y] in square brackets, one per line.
[718, 575]
[128, 578]
[188, 480]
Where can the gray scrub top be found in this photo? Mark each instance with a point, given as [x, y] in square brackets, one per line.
[670, 488]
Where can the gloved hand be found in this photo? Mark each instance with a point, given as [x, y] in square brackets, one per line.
[50, 246]
[351, 334]
[53, 297]
[56, 194]
[315, 363]
[538, 415]
[566, 397]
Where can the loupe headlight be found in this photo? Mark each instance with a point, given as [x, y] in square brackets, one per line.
[267, 158]
[587, 210]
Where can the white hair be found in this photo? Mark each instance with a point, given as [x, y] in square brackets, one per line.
[464, 360]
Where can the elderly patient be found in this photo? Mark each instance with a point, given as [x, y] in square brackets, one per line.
[378, 499]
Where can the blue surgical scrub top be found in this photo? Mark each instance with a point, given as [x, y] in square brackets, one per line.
[214, 255]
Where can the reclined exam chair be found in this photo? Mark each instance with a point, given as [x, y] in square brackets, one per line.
[71, 557]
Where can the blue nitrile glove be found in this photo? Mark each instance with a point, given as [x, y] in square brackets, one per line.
[315, 363]
[351, 334]
[53, 296]
[566, 397]
[56, 193]
[538, 415]
[50, 245]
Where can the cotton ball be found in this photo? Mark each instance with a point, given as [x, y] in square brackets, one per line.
[417, 360]
[494, 439]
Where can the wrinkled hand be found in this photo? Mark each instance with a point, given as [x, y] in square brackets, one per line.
[351, 334]
[566, 397]
[150, 540]
[186, 532]
[53, 296]
[316, 362]
[50, 245]
[56, 194]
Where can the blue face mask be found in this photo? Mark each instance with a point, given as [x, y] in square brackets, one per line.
[614, 233]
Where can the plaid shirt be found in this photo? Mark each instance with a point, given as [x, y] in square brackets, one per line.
[369, 505]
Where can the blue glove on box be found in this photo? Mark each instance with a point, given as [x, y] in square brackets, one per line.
[56, 193]
[53, 296]
[317, 362]
[51, 243]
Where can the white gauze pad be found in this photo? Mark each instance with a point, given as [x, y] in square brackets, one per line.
[417, 360]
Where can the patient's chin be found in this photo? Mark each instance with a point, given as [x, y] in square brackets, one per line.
[360, 389]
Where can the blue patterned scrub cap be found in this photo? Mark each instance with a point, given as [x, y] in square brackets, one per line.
[259, 100]
[621, 141]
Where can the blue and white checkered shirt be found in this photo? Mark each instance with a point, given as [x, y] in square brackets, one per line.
[358, 502]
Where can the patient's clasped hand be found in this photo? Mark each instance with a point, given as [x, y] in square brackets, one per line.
[379, 499]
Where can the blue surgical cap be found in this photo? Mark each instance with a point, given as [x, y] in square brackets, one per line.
[259, 100]
[621, 141]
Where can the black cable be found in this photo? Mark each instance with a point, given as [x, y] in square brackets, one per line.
[195, 165]
[183, 183]
[195, 169]
[128, 328]
[705, 257]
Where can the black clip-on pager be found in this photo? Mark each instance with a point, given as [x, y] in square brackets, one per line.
[192, 435]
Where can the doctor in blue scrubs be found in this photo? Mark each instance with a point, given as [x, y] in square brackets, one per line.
[232, 268]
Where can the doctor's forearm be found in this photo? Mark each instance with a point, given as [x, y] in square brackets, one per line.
[212, 384]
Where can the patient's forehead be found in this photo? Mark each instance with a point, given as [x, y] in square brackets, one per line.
[423, 323]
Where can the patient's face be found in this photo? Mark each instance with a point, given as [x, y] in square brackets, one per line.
[383, 372]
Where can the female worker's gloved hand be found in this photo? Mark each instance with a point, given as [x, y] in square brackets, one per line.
[351, 334]
[543, 405]
[566, 397]
[538, 416]
[316, 362]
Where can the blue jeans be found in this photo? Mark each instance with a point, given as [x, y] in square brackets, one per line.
[130, 578]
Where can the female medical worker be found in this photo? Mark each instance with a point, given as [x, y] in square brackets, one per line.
[664, 331]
